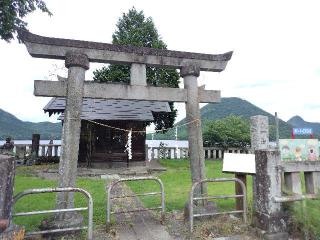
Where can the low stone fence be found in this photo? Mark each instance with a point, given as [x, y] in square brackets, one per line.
[45, 150]
[182, 152]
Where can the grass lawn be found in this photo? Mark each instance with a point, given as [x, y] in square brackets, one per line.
[177, 184]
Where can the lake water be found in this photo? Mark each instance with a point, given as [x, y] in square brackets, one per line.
[151, 143]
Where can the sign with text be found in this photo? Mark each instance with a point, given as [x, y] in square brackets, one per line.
[239, 163]
[302, 131]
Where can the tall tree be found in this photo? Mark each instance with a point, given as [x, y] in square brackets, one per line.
[232, 131]
[13, 11]
[133, 28]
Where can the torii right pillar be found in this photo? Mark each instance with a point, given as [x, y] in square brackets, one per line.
[190, 74]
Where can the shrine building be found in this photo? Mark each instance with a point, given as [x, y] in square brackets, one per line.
[103, 146]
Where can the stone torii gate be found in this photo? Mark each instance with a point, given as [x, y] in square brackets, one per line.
[78, 54]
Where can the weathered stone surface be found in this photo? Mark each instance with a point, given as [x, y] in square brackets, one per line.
[7, 173]
[121, 91]
[303, 166]
[194, 131]
[76, 59]
[276, 236]
[312, 181]
[7, 147]
[268, 215]
[34, 149]
[45, 47]
[292, 182]
[138, 74]
[259, 130]
[70, 141]
[190, 70]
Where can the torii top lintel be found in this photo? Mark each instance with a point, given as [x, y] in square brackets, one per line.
[56, 48]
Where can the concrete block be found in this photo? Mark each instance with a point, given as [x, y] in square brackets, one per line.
[268, 215]
[293, 182]
[312, 181]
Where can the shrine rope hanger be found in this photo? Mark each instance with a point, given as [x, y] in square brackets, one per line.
[135, 131]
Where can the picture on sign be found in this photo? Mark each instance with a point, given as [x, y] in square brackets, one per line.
[239, 163]
[299, 149]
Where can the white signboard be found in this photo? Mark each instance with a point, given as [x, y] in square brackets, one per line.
[239, 163]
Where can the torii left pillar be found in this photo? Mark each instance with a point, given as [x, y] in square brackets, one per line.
[77, 64]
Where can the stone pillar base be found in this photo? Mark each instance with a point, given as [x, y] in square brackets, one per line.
[208, 207]
[68, 220]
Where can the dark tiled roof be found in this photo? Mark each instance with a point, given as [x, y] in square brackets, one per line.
[103, 109]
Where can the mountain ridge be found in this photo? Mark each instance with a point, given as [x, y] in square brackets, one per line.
[299, 122]
[11, 126]
[230, 106]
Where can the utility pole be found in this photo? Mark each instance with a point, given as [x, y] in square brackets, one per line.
[277, 129]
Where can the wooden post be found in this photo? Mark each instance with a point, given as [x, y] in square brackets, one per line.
[238, 189]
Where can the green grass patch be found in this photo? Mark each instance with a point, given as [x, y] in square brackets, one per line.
[177, 184]
[46, 201]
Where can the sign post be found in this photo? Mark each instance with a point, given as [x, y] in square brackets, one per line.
[241, 165]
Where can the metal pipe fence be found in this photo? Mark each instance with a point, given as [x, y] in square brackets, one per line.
[51, 190]
[110, 197]
[192, 199]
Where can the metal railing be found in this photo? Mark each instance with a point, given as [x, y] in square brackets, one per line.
[192, 199]
[110, 198]
[51, 190]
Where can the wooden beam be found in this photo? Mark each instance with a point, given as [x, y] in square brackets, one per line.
[121, 91]
[56, 48]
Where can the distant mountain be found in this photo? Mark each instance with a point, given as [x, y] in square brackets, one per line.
[231, 106]
[12, 126]
[298, 122]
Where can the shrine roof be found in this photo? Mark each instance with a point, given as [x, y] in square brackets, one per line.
[104, 109]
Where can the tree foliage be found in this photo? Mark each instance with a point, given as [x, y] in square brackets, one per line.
[133, 28]
[13, 11]
[232, 131]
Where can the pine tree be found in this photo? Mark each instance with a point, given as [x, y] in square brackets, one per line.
[136, 30]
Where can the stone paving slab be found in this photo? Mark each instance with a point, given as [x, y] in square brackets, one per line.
[139, 225]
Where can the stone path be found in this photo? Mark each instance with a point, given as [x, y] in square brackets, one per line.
[139, 225]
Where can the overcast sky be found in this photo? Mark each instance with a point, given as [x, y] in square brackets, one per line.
[276, 44]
